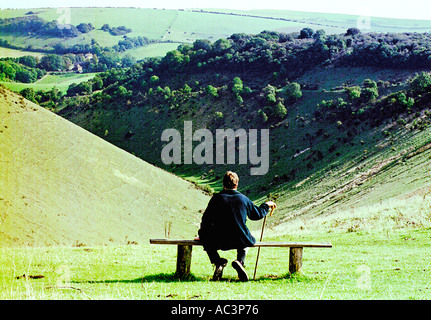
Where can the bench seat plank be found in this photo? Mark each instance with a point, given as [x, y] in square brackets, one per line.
[258, 244]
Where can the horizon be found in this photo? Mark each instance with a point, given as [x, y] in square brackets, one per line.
[414, 9]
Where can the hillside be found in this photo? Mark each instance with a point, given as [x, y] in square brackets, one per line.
[343, 111]
[61, 185]
[168, 28]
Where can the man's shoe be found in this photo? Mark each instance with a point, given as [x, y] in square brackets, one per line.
[242, 275]
[219, 269]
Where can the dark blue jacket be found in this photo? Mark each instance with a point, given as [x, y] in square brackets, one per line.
[223, 222]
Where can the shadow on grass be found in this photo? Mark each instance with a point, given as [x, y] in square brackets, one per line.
[172, 277]
[161, 277]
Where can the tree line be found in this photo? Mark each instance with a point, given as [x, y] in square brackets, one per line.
[35, 25]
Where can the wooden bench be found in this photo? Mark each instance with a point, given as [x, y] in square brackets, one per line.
[184, 253]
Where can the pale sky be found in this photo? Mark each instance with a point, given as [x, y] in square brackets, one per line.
[411, 9]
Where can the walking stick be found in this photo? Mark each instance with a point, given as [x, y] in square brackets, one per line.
[261, 236]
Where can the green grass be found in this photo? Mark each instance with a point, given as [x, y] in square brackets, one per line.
[61, 81]
[379, 252]
[12, 53]
[152, 50]
[361, 265]
[61, 185]
[187, 26]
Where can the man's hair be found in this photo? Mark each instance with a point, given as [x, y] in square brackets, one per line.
[230, 180]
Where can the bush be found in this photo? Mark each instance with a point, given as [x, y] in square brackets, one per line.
[154, 80]
[353, 93]
[262, 115]
[29, 94]
[280, 110]
[237, 86]
[270, 93]
[292, 92]
[369, 94]
[211, 91]
[421, 83]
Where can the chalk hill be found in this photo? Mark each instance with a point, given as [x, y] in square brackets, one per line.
[61, 185]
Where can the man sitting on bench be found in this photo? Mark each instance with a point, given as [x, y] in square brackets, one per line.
[223, 225]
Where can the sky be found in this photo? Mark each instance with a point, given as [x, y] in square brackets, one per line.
[410, 9]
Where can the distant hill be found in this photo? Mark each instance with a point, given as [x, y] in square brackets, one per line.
[61, 185]
[173, 27]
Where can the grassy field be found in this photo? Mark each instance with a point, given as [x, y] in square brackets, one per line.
[394, 264]
[77, 212]
[61, 81]
[185, 26]
[12, 53]
[152, 50]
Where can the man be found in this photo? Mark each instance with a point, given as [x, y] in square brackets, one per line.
[223, 225]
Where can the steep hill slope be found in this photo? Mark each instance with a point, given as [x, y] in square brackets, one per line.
[318, 165]
[61, 185]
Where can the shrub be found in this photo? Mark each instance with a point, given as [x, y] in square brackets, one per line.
[262, 115]
[353, 93]
[292, 92]
[369, 94]
[237, 86]
[154, 80]
[211, 91]
[270, 93]
[29, 94]
[421, 83]
[280, 110]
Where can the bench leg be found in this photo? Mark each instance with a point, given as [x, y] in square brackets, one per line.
[184, 260]
[295, 260]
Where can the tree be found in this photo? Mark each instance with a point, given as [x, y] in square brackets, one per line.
[106, 27]
[421, 83]
[7, 69]
[262, 115]
[370, 91]
[122, 92]
[319, 34]
[306, 33]
[353, 93]
[369, 94]
[353, 32]
[292, 92]
[237, 86]
[279, 110]
[154, 80]
[186, 89]
[28, 61]
[84, 27]
[97, 83]
[202, 44]
[29, 94]
[222, 45]
[52, 62]
[175, 60]
[26, 76]
[270, 93]
[212, 92]
[368, 83]
[128, 60]
[80, 88]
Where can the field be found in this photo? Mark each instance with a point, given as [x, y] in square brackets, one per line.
[61, 81]
[12, 53]
[152, 50]
[185, 26]
[391, 264]
[77, 208]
